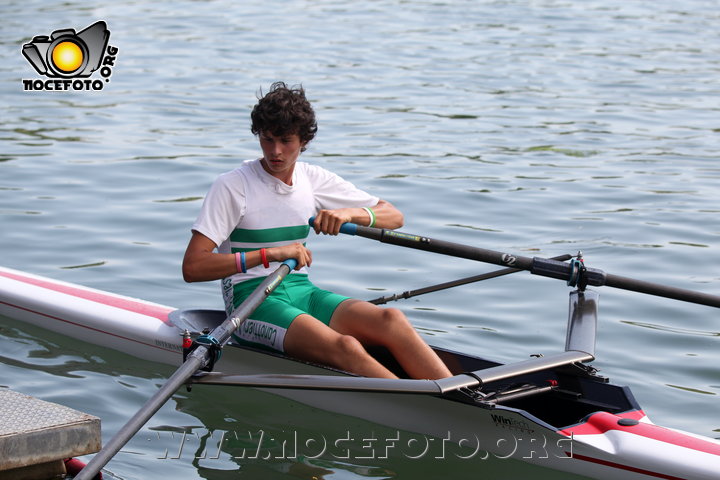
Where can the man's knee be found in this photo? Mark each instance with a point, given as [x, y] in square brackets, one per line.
[347, 346]
[347, 351]
[393, 318]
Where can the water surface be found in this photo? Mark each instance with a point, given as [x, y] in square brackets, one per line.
[535, 127]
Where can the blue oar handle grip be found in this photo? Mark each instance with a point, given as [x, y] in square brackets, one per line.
[346, 228]
[291, 263]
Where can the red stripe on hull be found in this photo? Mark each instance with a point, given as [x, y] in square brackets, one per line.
[156, 311]
[623, 467]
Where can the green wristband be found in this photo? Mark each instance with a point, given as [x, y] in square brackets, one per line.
[372, 216]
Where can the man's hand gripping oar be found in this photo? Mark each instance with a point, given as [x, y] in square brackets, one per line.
[199, 358]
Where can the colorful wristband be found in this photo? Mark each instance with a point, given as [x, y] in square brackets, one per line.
[372, 216]
[263, 257]
[240, 262]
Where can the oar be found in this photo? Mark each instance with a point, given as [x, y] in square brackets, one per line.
[570, 272]
[454, 283]
[198, 359]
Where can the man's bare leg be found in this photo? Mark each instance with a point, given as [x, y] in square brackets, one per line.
[389, 327]
[310, 339]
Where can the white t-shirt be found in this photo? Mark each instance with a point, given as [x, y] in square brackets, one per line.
[247, 209]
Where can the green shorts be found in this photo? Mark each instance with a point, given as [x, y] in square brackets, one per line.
[268, 324]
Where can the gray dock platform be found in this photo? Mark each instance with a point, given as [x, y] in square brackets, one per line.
[36, 436]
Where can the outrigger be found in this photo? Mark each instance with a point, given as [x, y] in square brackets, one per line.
[560, 413]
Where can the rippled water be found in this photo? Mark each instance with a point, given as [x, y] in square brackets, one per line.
[537, 127]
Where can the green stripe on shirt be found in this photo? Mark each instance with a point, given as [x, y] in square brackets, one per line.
[250, 249]
[270, 235]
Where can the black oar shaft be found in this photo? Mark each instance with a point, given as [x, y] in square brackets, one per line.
[538, 266]
[650, 288]
[195, 361]
[459, 250]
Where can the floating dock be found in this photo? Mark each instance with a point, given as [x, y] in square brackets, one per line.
[37, 436]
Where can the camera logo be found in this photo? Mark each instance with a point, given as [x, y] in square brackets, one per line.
[68, 56]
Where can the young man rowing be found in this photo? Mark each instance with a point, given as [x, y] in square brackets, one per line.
[257, 214]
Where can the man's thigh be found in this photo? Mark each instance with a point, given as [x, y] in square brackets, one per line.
[362, 320]
[310, 339]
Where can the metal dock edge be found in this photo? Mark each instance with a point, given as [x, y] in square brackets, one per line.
[36, 436]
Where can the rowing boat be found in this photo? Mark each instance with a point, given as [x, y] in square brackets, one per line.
[553, 410]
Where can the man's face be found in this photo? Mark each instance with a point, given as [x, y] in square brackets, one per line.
[280, 153]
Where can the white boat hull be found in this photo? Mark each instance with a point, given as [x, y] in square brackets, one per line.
[129, 325]
[596, 447]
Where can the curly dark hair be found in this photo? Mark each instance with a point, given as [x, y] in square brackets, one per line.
[282, 111]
